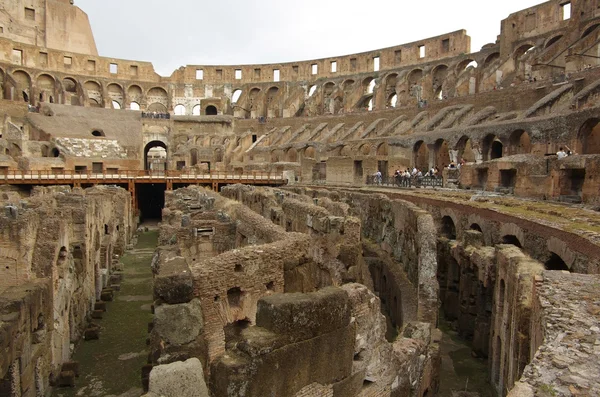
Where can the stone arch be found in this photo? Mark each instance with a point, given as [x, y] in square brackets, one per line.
[464, 146]
[368, 85]
[328, 89]
[491, 58]
[276, 155]
[492, 147]
[365, 103]
[93, 90]
[235, 95]
[179, 110]
[439, 75]
[464, 65]
[116, 94]
[218, 155]
[588, 138]
[555, 262]
[347, 85]
[552, 40]
[383, 149]
[414, 77]
[23, 89]
[135, 94]
[196, 110]
[511, 239]
[70, 85]
[442, 153]
[310, 152]
[157, 96]
[510, 229]
[520, 143]
[589, 29]
[519, 53]
[476, 227]
[291, 156]
[193, 157]
[448, 227]
[151, 163]
[392, 100]
[364, 149]
[421, 155]
[211, 110]
[562, 250]
[390, 83]
[46, 86]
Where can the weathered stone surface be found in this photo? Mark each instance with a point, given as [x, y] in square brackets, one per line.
[304, 315]
[179, 324]
[173, 283]
[179, 379]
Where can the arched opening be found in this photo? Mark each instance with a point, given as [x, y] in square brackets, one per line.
[368, 85]
[310, 152]
[211, 110]
[157, 99]
[590, 30]
[70, 85]
[179, 110]
[45, 84]
[490, 59]
[236, 96]
[448, 229]
[365, 149]
[512, 240]
[23, 84]
[383, 149]
[492, 147]
[312, 90]
[155, 156]
[442, 153]
[94, 93]
[421, 156]
[328, 89]
[193, 157]
[392, 100]
[589, 137]
[134, 106]
[465, 150]
[555, 262]
[347, 85]
[520, 143]
[196, 110]
[116, 105]
[370, 105]
[291, 156]
[466, 65]
[439, 77]
[476, 227]
[55, 152]
[552, 41]
[98, 133]
[135, 93]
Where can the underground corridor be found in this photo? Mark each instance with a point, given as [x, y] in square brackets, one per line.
[150, 201]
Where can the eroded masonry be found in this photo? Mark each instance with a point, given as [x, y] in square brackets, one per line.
[293, 259]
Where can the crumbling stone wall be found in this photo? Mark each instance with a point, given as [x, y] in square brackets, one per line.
[68, 239]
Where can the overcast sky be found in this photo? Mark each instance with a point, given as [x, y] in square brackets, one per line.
[175, 33]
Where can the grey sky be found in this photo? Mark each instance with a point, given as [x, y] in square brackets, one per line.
[174, 33]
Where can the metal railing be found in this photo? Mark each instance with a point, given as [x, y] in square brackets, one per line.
[18, 176]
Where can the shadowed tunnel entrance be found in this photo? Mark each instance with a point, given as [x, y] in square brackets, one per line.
[151, 200]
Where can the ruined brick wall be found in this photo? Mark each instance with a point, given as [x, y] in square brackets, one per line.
[407, 235]
[25, 362]
[71, 237]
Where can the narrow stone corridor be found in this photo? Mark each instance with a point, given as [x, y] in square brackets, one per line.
[111, 366]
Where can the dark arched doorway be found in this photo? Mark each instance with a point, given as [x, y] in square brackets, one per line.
[155, 157]
[211, 110]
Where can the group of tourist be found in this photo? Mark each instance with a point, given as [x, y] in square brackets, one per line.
[156, 115]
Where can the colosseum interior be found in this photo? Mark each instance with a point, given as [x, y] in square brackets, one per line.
[243, 231]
